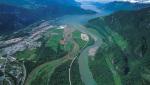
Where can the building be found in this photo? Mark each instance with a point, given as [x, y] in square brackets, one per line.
[84, 37]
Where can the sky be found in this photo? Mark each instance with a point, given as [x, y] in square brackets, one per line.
[104, 1]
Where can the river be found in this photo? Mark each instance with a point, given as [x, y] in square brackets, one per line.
[84, 69]
[77, 22]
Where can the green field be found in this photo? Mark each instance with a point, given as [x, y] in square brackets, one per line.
[28, 54]
[77, 37]
[41, 74]
[54, 39]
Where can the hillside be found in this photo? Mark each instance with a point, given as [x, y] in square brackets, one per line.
[125, 56]
[32, 4]
[14, 16]
[118, 5]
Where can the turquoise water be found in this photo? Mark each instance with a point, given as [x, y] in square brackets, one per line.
[77, 22]
[84, 69]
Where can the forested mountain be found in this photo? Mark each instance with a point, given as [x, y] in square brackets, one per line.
[126, 50]
[118, 5]
[16, 14]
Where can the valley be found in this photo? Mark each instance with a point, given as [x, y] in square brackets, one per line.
[56, 42]
[29, 49]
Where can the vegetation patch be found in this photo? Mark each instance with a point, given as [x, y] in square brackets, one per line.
[126, 51]
[41, 74]
[60, 75]
[28, 54]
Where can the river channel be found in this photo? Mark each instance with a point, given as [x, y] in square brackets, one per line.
[77, 22]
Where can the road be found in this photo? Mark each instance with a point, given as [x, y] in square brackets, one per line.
[70, 69]
[75, 59]
[85, 72]
[52, 64]
[73, 54]
[84, 69]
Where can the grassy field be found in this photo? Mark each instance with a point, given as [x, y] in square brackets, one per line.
[80, 42]
[54, 40]
[41, 74]
[28, 54]
[56, 36]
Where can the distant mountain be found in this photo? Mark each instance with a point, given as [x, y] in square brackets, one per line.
[61, 7]
[32, 4]
[15, 14]
[13, 18]
[126, 35]
[137, 1]
[118, 5]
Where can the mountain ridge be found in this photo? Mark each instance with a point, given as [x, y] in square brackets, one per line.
[126, 35]
[118, 5]
[19, 17]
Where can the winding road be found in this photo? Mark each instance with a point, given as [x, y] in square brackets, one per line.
[84, 69]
